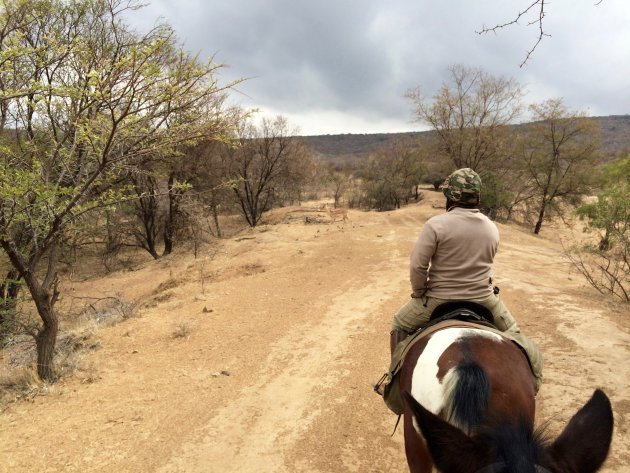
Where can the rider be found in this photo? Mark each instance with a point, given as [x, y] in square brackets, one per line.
[452, 260]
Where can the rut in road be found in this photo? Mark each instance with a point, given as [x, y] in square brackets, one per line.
[284, 397]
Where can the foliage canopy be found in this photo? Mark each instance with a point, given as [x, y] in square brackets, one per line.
[84, 99]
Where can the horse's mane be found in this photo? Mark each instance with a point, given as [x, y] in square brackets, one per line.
[517, 446]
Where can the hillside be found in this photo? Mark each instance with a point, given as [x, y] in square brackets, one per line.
[259, 354]
[615, 135]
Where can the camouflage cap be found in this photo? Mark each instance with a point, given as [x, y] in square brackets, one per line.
[463, 186]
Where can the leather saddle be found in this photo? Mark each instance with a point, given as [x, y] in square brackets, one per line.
[463, 311]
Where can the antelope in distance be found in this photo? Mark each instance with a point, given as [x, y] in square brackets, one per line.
[337, 213]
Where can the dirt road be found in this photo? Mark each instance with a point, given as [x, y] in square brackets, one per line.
[260, 357]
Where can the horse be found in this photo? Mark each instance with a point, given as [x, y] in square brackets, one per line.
[469, 404]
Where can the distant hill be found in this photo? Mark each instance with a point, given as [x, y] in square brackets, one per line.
[350, 147]
[615, 131]
[615, 134]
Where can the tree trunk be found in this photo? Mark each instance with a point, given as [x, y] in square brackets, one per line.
[168, 237]
[45, 341]
[215, 217]
[541, 216]
[604, 243]
[151, 248]
[169, 224]
[147, 211]
[111, 233]
[9, 291]
[45, 294]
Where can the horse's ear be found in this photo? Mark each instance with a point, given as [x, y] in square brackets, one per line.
[450, 448]
[585, 441]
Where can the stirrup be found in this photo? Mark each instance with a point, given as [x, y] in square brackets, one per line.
[378, 387]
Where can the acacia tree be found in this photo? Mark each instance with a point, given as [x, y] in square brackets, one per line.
[470, 116]
[83, 99]
[563, 149]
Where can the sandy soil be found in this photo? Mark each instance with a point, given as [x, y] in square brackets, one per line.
[260, 357]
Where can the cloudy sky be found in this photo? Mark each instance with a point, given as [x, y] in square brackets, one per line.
[343, 66]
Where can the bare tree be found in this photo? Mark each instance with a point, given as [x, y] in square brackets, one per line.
[471, 115]
[338, 181]
[206, 171]
[158, 191]
[146, 208]
[84, 98]
[265, 159]
[392, 174]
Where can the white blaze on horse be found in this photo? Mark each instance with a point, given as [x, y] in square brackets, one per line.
[469, 408]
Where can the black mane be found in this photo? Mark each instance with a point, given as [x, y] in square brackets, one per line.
[516, 446]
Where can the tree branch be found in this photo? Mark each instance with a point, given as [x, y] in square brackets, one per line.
[538, 21]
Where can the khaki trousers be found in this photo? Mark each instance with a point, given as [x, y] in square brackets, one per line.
[417, 312]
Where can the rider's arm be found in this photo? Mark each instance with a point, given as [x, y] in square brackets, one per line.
[420, 258]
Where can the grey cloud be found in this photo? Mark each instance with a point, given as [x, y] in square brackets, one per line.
[358, 57]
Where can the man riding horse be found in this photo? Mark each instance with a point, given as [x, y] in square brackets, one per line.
[452, 261]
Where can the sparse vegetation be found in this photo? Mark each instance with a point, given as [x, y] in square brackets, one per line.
[391, 176]
[19, 383]
[182, 330]
[80, 337]
[605, 262]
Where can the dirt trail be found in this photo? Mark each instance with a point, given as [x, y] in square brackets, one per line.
[285, 330]
[278, 406]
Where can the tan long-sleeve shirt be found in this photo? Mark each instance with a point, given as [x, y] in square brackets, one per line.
[453, 256]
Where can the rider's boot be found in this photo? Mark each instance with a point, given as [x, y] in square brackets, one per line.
[395, 337]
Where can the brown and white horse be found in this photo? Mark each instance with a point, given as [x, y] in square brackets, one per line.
[469, 408]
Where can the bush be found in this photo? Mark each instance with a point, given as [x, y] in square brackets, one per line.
[606, 263]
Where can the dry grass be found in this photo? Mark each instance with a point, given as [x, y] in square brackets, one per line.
[253, 268]
[182, 330]
[77, 337]
[20, 383]
[103, 311]
[87, 373]
[71, 348]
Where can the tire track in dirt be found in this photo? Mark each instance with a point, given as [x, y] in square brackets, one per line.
[270, 413]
